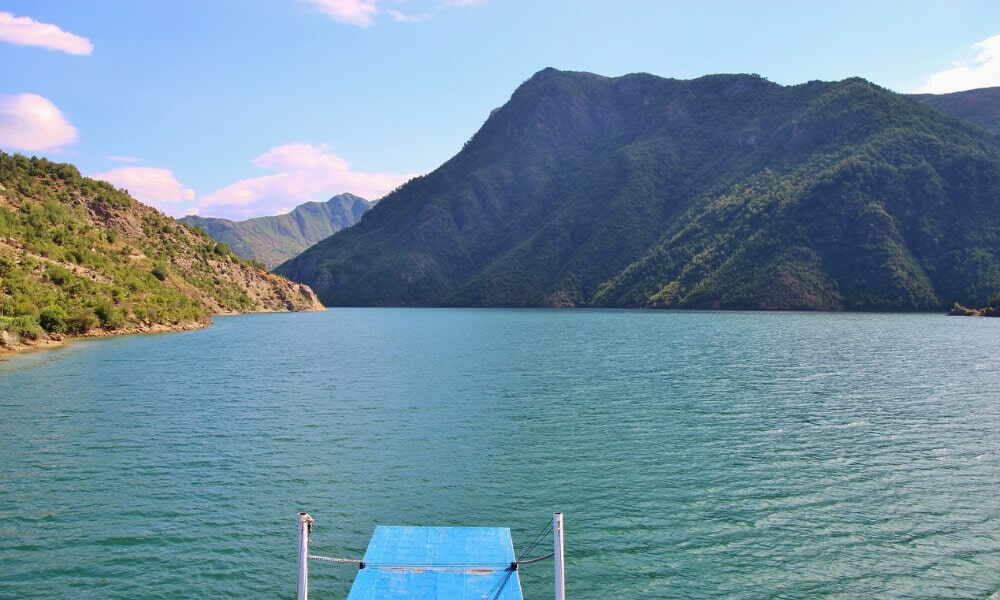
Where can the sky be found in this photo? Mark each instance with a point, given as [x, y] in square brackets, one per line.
[247, 108]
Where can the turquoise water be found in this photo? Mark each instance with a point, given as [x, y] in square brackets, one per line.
[695, 455]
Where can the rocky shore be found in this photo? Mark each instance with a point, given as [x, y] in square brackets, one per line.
[12, 344]
[963, 311]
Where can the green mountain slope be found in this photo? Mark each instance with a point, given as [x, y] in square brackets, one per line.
[726, 191]
[981, 106]
[273, 240]
[79, 257]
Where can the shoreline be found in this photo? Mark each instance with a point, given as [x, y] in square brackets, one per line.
[11, 347]
[964, 311]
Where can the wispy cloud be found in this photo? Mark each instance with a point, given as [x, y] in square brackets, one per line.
[31, 122]
[303, 173]
[124, 159]
[24, 31]
[450, 3]
[364, 12]
[401, 17]
[352, 12]
[983, 72]
[156, 187]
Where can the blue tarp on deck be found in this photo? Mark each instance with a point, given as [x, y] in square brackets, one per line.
[458, 563]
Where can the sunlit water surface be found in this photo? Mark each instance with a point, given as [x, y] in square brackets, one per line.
[695, 455]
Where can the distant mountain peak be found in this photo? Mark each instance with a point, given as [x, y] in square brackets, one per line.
[272, 240]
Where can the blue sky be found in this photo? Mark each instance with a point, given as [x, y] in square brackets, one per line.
[243, 108]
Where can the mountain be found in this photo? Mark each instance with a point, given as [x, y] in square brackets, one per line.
[981, 106]
[726, 191]
[79, 257]
[273, 240]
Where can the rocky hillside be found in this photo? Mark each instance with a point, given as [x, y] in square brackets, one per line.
[273, 240]
[726, 191]
[78, 257]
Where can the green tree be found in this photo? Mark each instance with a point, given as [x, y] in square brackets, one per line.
[993, 307]
[81, 321]
[160, 271]
[109, 316]
[53, 319]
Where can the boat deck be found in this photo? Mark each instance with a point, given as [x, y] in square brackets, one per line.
[459, 563]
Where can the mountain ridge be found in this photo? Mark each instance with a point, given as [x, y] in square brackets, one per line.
[271, 240]
[980, 106]
[639, 191]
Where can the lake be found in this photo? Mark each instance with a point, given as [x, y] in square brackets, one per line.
[694, 454]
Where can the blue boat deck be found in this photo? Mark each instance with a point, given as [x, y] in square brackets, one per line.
[458, 563]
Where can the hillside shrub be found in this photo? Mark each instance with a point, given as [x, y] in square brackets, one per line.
[25, 327]
[993, 307]
[7, 264]
[53, 319]
[58, 275]
[110, 317]
[160, 271]
[81, 321]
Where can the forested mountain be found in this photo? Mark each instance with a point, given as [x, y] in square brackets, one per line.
[726, 191]
[273, 240]
[981, 106]
[78, 256]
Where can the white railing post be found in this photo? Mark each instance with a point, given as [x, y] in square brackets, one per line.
[305, 525]
[557, 541]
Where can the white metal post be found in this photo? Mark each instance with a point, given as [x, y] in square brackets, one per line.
[305, 525]
[557, 540]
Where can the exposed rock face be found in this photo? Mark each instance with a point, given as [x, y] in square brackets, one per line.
[274, 293]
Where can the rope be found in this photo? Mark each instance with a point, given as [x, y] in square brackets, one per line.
[528, 561]
[441, 567]
[498, 587]
[538, 538]
[338, 560]
[426, 567]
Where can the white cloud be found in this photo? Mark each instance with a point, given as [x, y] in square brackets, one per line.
[363, 12]
[400, 17]
[352, 12]
[304, 173]
[156, 187]
[125, 159]
[30, 122]
[450, 3]
[24, 31]
[983, 72]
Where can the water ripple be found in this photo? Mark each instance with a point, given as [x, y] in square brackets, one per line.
[696, 455]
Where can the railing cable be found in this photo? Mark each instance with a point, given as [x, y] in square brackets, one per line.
[355, 561]
[528, 561]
